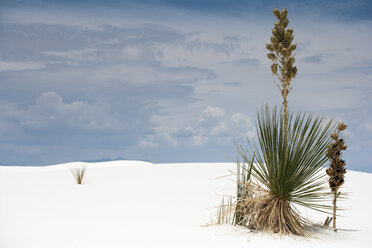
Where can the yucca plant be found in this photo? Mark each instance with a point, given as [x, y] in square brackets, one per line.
[79, 173]
[288, 168]
[285, 165]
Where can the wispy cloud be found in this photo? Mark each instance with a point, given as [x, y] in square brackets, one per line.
[316, 59]
[20, 66]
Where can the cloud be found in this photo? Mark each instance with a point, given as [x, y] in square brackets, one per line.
[315, 59]
[215, 125]
[247, 62]
[213, 112]
[20, 66]
[86, 55]
[50, 113]
[50, 108]
[233, 83]
[241, 118]
[185, 132]
[147, 144]
[61, 43]
[227, 46]
[367, 126]
[79, 127]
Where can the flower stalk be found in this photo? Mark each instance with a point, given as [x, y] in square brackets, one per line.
[281, 49]
[336, 170]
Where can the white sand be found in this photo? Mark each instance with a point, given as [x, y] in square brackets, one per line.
[137, 204]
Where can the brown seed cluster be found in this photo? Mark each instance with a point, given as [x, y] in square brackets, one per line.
[336, 170]
[281, 49]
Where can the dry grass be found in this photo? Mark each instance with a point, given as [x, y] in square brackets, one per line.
[79, 173]
[262, 211]
[225, 212]
[273, 214]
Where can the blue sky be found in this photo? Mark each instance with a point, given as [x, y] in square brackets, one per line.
[171, 81]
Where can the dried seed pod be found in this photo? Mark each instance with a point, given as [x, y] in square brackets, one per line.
[274, 68]
[334, 136]
[284, 51]
[294, 71]
[274, 40]
[285, 22]
[291, 74]
[271, 56]
[276, 32]
[292, 47]
[336, 168]
[276, 13]
[290, 39]
[280, 46]
[283, 14]
[290, 61]
[287, 35]
[342, 126]
[269, 47]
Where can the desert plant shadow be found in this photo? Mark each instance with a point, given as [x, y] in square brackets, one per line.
[348, 230]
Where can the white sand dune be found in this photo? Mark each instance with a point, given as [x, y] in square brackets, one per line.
[139, 204]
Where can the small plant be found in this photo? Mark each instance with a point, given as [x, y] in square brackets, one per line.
[336, 170]
[79, 173]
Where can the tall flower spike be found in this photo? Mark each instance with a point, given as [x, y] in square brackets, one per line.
[336, 170]
[281, 49]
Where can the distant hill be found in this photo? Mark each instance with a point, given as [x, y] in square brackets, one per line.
[104, 160]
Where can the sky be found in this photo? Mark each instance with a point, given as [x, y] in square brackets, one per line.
[172, 81]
